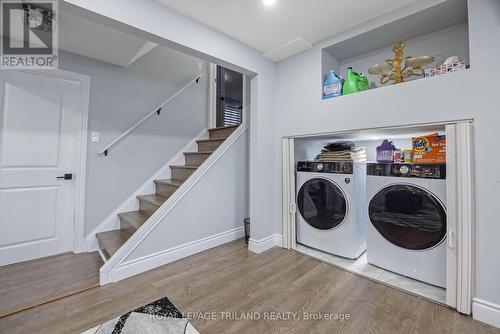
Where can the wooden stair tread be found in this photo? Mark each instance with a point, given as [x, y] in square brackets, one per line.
[184, 167]
[134, 218]
[111, 241]
[198, 153]
[222, 132]
[210, 140]
[154, 199]
[224, 127]
[171, 182]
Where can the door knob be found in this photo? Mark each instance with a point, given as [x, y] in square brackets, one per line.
[65, 177]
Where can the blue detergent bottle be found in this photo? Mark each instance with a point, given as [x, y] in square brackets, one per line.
[332, 86]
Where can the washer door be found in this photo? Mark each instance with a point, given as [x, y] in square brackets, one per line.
[408, 216]
[322, 204]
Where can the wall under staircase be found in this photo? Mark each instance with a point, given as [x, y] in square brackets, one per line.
[207, 210]
[121, 96]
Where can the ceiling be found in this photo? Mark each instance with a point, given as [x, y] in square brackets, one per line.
[287, 28]
[90, 39]
[93, 40]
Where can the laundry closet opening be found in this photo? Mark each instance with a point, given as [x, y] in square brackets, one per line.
[386, 204]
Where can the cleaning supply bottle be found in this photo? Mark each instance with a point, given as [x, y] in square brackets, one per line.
[385, 152]
[332, 86]
[354, 82]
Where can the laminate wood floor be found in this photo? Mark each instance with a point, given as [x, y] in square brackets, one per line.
[31, 283]
[231, 279]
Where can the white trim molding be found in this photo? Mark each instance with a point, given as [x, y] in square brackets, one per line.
[151, 261]
[80, 170]
[288, 202]
[486, 312]
[212, 95]
[260, 246]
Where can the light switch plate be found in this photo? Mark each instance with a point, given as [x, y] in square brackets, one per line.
[94, 136]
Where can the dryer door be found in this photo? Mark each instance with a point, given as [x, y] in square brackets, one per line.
[322, 204]
[408, 216]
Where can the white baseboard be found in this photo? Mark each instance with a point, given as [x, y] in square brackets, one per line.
[259, 246]
[155, 260]
[486, 312]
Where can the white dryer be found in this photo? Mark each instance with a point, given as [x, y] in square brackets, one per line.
[407, 220]
[330, 207]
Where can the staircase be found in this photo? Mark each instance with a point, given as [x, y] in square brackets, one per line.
[130, 222]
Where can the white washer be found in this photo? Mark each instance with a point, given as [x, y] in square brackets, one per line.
[330, 207]
[407, 220]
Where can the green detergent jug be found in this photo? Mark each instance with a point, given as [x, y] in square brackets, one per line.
[354, 82]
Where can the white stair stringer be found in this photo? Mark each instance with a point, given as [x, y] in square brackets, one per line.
[112, 222]
[207, 210]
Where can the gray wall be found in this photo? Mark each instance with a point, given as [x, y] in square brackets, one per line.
[471, 94]
[485, 49]
[119, 97]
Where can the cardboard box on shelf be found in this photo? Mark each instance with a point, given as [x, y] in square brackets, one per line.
[429, 149]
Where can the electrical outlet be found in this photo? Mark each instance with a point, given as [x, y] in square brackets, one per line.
[94, 137]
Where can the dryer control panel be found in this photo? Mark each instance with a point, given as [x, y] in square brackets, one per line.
[407, 170]
[340, 167]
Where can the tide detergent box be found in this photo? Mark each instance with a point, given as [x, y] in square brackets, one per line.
[429, 149]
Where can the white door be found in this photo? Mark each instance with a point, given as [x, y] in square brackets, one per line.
[39, 122]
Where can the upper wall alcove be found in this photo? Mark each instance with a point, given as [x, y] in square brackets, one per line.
[440, 31]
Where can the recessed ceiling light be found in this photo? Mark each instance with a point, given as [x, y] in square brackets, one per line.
[269, 2]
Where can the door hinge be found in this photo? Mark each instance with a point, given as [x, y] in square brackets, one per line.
[293, 208]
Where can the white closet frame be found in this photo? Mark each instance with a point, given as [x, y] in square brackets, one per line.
[460, 206]
[289, 205]
[460, 198]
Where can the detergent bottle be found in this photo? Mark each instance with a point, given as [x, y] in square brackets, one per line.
[332, 86]
[385, 152]
[354, 82]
